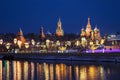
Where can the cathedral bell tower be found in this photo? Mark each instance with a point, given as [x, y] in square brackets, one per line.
[59, 30]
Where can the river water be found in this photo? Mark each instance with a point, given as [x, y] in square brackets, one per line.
[58, 70]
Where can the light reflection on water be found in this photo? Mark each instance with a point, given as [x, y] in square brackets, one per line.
[51, 70]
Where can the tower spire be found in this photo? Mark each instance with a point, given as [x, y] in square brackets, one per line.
[88, 21]
[59, 30]
[20, 36]
[20, 33]
[59, 20]
[42, 33]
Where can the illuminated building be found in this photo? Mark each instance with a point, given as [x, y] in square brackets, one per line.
[20, 37]
[42, 35]
[59, 30]
[96, 34]
[82, 32]
[90, 34]
[113, 42]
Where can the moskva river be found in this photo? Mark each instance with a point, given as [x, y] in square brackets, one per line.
[58, 70]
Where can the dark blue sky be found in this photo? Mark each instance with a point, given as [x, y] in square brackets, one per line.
[31, 14]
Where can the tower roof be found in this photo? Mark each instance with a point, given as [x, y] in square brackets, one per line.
[88, 26]
[20, 36]
[42, 33]
[96, 29]
[88, 21]
[20, 33]
[82, 29]
[59, 30]
[59, 22]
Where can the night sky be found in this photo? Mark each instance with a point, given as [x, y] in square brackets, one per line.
[30, 15]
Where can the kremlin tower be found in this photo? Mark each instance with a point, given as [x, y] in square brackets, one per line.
[42, 35]
[59, 30]
[20, 37]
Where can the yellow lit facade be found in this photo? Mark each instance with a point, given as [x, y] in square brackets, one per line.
[59, 30]
[89, 33]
